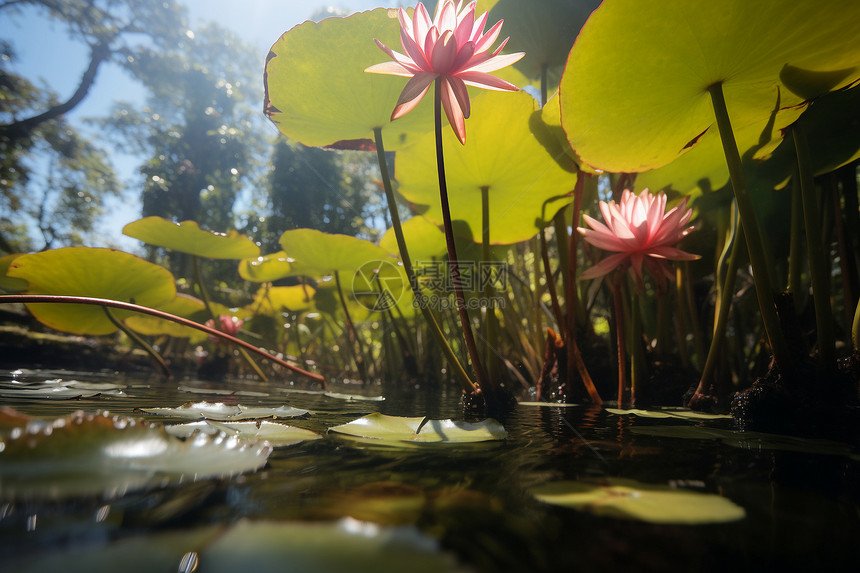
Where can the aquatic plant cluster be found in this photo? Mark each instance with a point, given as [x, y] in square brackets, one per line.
[669, 188]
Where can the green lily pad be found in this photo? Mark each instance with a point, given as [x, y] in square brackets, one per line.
[544, 30]
[634, 90]
[526, 185]
[317, 254]
[59, 389]
[10, 284]
[629, 499]
[182, 305]
[403, 429]
[102, 455]
[266, 268]
[277, 434]
[318, 93]
[91, 272]
[343, 545]
[424, 239]
[188, 237]
[273, 301]
[670, 413]
[225, 412]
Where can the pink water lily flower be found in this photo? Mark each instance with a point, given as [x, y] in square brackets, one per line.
[226, 323]
[452, 48]
[639, 230]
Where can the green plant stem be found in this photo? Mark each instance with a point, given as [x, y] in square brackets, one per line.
[139, 341]
[420, 299]
[355, 347]
[619, 339]
[755, 243]
[795, 253]
[550, 282]
[637, 360]
[492, 341]
[453, 261]
[201, 286]
[46, 298]
[574, 356]
[725, 302]
[819, 269]
[855, 329]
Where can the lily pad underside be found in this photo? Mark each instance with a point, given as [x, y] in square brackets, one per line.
[188, 237]
[634, 94]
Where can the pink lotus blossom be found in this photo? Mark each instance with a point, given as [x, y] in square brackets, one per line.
[452, 48]
[226, 323]
[638, 230]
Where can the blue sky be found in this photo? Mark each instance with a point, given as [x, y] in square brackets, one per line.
[44, 52]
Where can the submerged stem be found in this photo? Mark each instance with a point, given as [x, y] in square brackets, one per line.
[755, 243]
[819, 270]
[453, 261]
[139, 341]
[432, 323]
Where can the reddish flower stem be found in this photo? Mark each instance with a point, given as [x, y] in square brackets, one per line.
[453, 261]
[104, 302]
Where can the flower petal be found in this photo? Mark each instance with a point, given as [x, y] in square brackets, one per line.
[412, 94]
[486, 81]
[453, 109]
[444, 53]
[390, 68]
[605, 266]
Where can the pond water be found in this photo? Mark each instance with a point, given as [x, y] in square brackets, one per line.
[339, 503]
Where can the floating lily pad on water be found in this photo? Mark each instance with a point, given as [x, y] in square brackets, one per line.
[188, 237]
[670, 413]
[344, 545]
[102, 455]
[354, 397]
[398, 428]
[277, 434]
[59, 389]
[629, 499]
[225, 412]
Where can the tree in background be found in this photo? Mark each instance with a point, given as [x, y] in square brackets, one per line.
[51, 175]
[331, 191]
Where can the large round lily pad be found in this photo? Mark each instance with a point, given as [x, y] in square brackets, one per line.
[102, 455]
[266, 268]
[424, 239]
[318, 93]
[188, 237]
[316, 254]
[406, 429]
[277, 434]
[91, 272]
[182, 305]
[629, 499]
[225, 412]
[634, 94]
[526, 185]
[544, 30]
